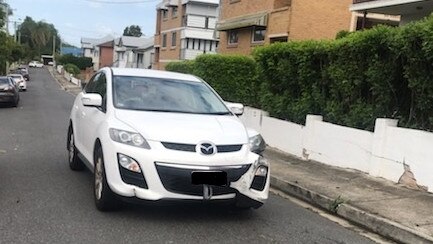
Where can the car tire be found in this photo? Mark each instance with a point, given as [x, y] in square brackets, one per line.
[105, 199]
[75, 162]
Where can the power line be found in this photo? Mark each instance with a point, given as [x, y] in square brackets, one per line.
[121, 2]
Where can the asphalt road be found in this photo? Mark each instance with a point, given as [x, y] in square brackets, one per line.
[42, 201]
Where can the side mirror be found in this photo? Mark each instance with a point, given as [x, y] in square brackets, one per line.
[236, 108]
[83, 84]
[91, 100]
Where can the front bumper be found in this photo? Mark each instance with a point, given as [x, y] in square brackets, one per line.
[167, 174]
[7, 97]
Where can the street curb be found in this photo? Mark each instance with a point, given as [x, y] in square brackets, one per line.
[60, 83]
[377, 224]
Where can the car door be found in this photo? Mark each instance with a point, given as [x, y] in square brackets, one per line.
[80, 113]
[93, 117]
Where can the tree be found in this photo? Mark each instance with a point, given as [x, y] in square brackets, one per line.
[2, 18]
[133, 30]
[37, 37]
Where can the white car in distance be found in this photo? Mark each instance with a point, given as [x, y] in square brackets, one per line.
[156, 135]
[36, 64]
[20, 81]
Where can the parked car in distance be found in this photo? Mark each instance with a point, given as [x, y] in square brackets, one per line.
[20, 81]
[8, 91]
[156, 135]
[22, 71]
[36, 64]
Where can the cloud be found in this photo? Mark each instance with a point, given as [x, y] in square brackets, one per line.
[103, 30]
[95, 5]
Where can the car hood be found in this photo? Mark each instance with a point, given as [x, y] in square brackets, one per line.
[3, 86]
[185, 128]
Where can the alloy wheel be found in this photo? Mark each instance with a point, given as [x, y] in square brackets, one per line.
[98, 178]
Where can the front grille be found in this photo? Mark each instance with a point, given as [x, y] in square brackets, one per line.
[178, 180]
[228, 148]
[191, 147]
[179, 147]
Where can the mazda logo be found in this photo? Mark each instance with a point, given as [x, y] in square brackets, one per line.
[207, 148]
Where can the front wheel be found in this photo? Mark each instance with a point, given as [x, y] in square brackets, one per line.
[75, 162]
[105, 199]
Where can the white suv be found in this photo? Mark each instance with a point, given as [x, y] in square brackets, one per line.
[156, 135]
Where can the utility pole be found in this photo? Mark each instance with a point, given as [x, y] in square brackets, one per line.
[7, 17]
[54, 47]
[16, 31]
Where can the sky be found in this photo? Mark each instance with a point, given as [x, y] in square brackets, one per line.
[75, 19]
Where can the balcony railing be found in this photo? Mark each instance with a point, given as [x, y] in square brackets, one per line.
[362, 1]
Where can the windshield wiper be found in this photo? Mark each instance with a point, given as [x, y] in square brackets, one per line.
[219, 113]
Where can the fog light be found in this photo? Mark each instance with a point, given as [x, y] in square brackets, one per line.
[128, 163]
[262, 171]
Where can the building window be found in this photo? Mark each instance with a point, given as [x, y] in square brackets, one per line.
[174, 12]
[140, 58]
[259, 34]
[278, 39]
[173, 39]
[184, 20]
[232, 37]
[164, 40]
[282, 3]
[164, 14]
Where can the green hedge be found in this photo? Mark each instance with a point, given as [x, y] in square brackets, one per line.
[233, 77]
[72, 69]
[381, 72]
[81, 62]
[181, 67]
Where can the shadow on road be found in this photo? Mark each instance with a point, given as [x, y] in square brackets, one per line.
[185, 212]
[6, 105]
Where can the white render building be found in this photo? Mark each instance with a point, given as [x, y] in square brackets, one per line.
[184, 30]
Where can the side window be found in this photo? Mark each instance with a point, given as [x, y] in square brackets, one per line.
[101, 88]
[101, 85]
[91, 84]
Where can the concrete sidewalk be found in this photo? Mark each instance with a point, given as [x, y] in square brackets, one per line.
[391, 210]
[65, 84]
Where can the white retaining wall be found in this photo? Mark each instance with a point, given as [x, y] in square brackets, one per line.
[380, 154]
[68, 76]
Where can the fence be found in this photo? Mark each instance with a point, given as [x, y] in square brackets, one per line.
[388, 152]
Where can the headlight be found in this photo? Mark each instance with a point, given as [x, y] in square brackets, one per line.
[129, 138]
[257, 144]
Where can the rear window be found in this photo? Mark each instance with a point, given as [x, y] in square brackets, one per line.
[4, 81]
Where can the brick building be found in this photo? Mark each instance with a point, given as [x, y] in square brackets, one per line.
[245, 24]
[184, 29]
[106, 51]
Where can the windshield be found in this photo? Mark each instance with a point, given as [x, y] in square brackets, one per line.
[4, 80]
[165, 95]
